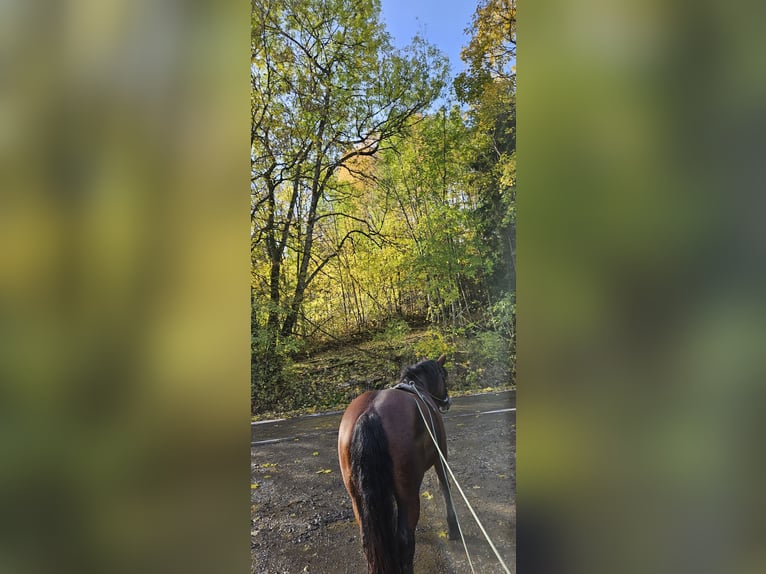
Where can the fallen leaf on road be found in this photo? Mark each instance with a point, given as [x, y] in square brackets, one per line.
[315, 453]
[442, 534]
[427, 495]
[324, 471]
[254, 486]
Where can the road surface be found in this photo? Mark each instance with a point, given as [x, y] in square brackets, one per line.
[301, 517]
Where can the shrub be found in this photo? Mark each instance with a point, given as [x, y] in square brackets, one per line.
[433, 344]
[394, 330]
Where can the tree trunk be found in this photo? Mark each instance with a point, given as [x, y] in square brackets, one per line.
[318, 183]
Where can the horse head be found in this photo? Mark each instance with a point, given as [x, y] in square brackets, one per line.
[432, 378]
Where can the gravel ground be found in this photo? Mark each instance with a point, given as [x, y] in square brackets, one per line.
[301, 517]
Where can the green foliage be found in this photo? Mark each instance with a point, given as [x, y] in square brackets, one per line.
[427, 179]
[328, 90]
[501, 316]
[492, 345]
[488, 86]
[488, 359]
[395, 329]
[491, 52]
[371, 214]
[433, 344]
[266, 370]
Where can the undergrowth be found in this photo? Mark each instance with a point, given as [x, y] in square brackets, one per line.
[331, 377]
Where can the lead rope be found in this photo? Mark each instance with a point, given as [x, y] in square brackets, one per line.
[468, 504]
[441, 459]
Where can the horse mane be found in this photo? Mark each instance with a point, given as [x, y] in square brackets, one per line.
[424, 371]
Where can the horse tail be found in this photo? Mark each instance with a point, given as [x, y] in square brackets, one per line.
[373, 481]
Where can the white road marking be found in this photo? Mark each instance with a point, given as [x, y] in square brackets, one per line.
[282, 439]
[268, 421]
[253, 423]
[497, 411]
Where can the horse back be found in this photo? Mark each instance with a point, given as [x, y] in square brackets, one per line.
[410, 445]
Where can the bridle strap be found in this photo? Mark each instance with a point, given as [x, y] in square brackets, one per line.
[411, 386]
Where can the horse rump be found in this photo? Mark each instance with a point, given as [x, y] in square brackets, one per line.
[372, 481]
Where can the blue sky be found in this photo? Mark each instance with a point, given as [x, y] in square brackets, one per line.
[441, 22]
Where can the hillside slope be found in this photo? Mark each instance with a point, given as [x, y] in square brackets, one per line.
[328, 378]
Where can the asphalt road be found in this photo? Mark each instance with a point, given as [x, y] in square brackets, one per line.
[301, 514]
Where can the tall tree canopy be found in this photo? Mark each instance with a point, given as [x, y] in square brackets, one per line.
[370, 208]
[327, 88]
[491, 51]
[488, 86]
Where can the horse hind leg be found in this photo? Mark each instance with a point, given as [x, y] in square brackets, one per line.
[408, 513]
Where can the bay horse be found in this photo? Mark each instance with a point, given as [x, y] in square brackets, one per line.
[384, 450]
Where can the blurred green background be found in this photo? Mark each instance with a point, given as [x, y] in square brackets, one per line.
[124, 286]
[641, 287]
[124, 299]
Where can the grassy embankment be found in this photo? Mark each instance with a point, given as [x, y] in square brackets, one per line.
[327, 378]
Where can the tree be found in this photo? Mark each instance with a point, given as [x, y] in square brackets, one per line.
[488, 86]
[426, 182]
[327, 88]
[491, 52]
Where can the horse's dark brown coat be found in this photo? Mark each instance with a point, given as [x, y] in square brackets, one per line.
[411, 453]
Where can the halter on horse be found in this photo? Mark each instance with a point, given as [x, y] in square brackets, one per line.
[384, 450]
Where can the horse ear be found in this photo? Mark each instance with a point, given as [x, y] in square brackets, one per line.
[440, 360]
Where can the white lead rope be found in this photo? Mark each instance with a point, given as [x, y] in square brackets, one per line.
[443, 462]
[468, 504]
